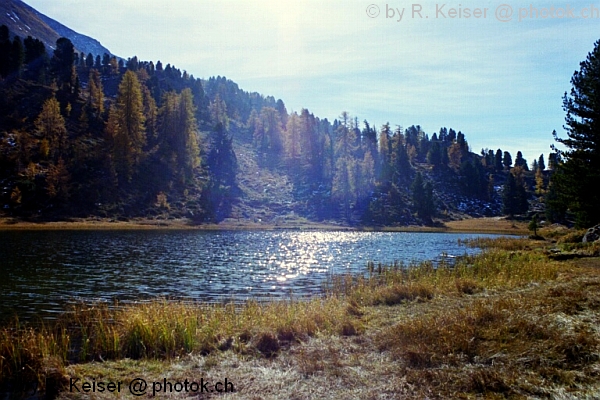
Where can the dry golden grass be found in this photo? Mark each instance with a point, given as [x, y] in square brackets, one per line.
[166, 330]
[501, 346]
[479, 225]
[163, 224]
[506, 323]
[491, 225]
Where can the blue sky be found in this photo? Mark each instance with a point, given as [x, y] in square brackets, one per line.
[501, 83]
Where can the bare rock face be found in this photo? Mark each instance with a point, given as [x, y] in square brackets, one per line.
[592, 234]
[23, 20]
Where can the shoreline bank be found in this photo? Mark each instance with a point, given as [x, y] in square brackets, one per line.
[460, 332]
[498, 225]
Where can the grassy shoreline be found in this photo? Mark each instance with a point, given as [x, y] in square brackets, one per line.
[509, 322]
[474, 225]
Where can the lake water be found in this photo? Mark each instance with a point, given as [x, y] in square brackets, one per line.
[43, 271]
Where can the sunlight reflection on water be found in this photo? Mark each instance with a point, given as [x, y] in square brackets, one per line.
[43, 271]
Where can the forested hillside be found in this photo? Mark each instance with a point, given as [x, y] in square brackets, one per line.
[91, 135]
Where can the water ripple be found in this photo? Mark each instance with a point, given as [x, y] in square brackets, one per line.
[41, 272]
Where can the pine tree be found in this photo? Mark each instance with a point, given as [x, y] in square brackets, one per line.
[313, 145]
[521, 162]
[514, 196]
[367, 175]
[473, 180]
[96, 94]
[539, 182]
[5, 47]
[507, 160]
[533, 225]
[221, 160]
[35, 59]
[150, 115]
[187, 141]
[50, 125]
[63, 63]
[178, 133]
[292, 143]
[498, 160]
[17, 56]
[344, 180]
[579, 175]
[541, 164]
[57, 182]
[89, 60]
[508, 195]
[556, 202]
[455, 155]
[553, 158]
[385, 153]
[422, 194]
[434, 155]
[401, 163]
[268, 136]
[129, 130]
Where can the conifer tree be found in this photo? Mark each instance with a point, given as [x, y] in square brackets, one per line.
[129, 130]
[539, 182]
[541, 164]
[507, 160]
[499, 161]
[401, 163]
[17, 56]
[434, 155]
[5, 47]
[50, 125]
[422, 194]
[521, 162]
[35, 59]
[579, 177]
[151, 116]
[63, 63]
[344, 180]
[222, 162]
[96, 94]
[534, 225]
[455, 155]
[514, 196]
[57, 181]
[89, 60]
[313, 145]
[268, 136]
[385, 153]
[292, 143]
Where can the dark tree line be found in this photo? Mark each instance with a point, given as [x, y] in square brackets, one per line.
[127, 136]
[98, 135]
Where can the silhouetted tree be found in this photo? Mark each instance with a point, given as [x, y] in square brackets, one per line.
[514, 196]
[422, 194]
[579, 177]
[62, 63]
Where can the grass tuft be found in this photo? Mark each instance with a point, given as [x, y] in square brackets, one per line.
[470, 338]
